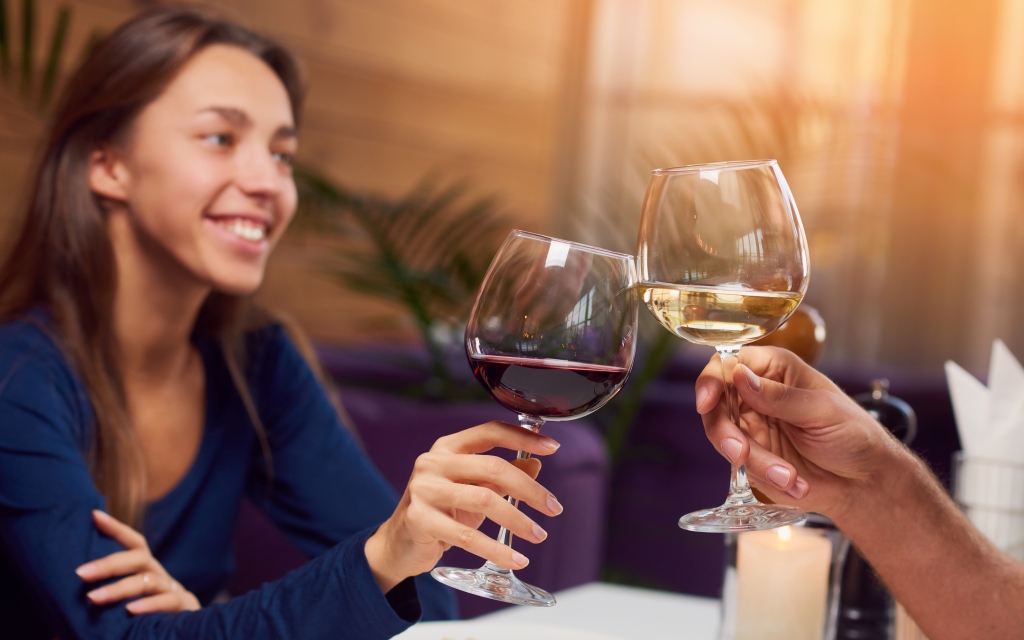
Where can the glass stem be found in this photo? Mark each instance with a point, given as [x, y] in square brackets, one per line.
[504, 535]
[739, 488]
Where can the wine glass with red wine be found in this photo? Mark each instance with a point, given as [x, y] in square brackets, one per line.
[551, 337]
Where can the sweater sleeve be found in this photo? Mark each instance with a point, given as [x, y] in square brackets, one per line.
[46, 531]
[323, 488]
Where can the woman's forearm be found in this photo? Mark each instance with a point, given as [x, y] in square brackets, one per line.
[952, 581]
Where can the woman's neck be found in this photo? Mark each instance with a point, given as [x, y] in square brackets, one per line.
[155, 306]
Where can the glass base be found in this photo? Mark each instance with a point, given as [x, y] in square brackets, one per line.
[750, 516]
[491, 581]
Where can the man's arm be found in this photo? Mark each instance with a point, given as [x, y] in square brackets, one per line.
[949, 577]
[807, 444]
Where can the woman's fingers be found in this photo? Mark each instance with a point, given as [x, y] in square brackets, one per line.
[491, 471]
[475, 542]
[121, 563]
[175, 601]
[494, 507]
[529, 466]
[128, 537]
[134, 586]
[496, 434]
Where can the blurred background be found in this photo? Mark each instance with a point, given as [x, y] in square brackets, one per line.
[898, 123]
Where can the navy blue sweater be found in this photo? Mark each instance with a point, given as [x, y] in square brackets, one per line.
[325, 496]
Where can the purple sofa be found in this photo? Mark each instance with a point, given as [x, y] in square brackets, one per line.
[619, 523]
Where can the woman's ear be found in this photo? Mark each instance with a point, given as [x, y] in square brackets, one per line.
[108, 177]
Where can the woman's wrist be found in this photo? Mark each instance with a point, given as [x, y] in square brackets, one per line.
[381, 559]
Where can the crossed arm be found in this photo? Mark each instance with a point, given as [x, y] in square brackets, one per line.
[807, 444]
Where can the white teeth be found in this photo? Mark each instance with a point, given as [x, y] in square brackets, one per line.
[245, 229]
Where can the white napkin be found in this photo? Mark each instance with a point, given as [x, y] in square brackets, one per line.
[990, 420]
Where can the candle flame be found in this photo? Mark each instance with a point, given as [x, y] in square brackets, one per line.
[785, 533]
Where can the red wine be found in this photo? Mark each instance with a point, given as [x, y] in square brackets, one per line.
[550, 389]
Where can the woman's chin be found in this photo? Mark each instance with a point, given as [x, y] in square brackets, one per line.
[238, 284]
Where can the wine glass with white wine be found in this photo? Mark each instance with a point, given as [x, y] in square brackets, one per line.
[722, 260]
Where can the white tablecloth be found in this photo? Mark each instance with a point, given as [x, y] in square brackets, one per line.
[605, 610]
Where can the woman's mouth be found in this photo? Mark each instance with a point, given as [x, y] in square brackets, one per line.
[248, 229]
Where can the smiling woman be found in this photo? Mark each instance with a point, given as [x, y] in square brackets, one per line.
[142, 395]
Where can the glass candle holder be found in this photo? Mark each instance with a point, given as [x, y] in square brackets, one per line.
[991, 493]
[783, 583]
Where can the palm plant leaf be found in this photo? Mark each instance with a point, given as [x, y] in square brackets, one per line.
[60, 32]
[427, 250]
[27, 37]
[5, 42]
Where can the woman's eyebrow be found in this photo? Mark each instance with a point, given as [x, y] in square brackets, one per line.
[233, 115]
[242, 120]
[286, 131]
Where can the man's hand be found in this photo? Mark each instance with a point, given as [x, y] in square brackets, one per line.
[803, 440]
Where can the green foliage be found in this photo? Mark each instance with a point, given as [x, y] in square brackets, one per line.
[427, 251]
[36, 88]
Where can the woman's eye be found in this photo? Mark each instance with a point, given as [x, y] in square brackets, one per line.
[284, 158]
[218, 139]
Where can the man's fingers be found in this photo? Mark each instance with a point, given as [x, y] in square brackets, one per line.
[723, 433]
[128, 537]
[710, 385]
[776, 477]
[496, 434]
[121, 563]
[803, 408]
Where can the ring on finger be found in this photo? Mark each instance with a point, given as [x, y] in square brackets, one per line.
[145, 583]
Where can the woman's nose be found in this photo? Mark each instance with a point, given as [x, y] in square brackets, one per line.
[259, 175]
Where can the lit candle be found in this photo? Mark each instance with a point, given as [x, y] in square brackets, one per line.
[782, 584]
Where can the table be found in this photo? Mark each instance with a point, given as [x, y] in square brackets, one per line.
[626, 612]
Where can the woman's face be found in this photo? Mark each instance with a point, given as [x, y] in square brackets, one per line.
[205, 172]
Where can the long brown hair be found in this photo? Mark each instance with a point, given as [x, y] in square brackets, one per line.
[63, 259]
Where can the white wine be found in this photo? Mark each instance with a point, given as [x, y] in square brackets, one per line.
[718, 316]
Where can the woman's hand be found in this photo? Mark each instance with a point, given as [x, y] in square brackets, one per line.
[451, 491]
[804, 441]
[146, 578]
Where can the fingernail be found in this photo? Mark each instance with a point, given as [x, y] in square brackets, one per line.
[553, 505]
[97, 595]
[101, 514]
[135, 606]
[732, 448]
[539, 533]
[549, 444]
[752, 379]
[702, 395]
[799, 489]
[779, 475]
[520, 560]
[86, 571]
